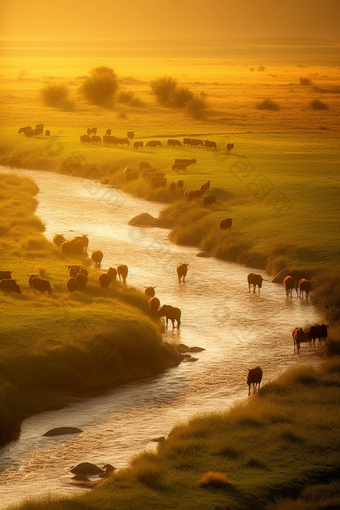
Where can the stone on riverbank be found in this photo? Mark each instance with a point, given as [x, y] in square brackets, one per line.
[86, 468]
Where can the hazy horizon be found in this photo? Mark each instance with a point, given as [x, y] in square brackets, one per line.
[221, 19]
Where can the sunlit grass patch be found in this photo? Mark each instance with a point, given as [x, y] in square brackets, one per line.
[214, 479]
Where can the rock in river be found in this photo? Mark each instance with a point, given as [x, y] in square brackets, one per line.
[62, 430]
[86, 468]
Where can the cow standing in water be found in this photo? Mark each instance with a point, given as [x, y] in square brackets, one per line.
[254, 377]
[182, 270]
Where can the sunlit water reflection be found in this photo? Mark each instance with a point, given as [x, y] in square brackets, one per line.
[237, 329]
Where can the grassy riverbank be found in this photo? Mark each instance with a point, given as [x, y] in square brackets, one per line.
[53, 345]
[280, 445]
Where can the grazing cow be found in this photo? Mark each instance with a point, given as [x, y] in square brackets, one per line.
[41, 285]
[5, 275]
[179, 166]
[209, 200]
[289, 285]
[97, 257]
[39, 126]
[323, 332]
[196, 143]
[38, 131]
[9, 285]
[109, 140]
[131, 176]
[298, 337]
[24, 129]
[130, 135]
[150, 291]
[58, 240]
[174, 143]
[14, 163]
[159, 174]
[182, 270]
[315, 333]
[158, 182]
[30, 279]
[303, 287]
[144, 166]
[122, 141]
[73, 247]
[254, 377]
[186, 141]
[205, 186]
[197, 193]
[154, 304]
[82, 280]
[73, 270]
[106, 278]
[210, 145]
[153, 143]
[83, 270]
[29, 133]
[108, 132]
[122, 271]
[187, 161]
[138, 145]
[92, 130]
[84, 239]
[172, 187]
[254, 279]
[85, 139]
[180, 184]
[47, 132]
[72, 284]
[96, 139]
[188, 194]
[226, 223]
[170, 312]
[230, 146]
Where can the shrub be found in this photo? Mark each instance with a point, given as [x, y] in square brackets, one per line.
[196, 108]
[128, 97]
[213, 479]
[316, 104]
[100, 87]
[305, 81]
[162, 88]
[179, 97]
[56, 95]
[261, 68]
[268, 104]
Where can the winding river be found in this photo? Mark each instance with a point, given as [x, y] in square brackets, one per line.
[237, 329]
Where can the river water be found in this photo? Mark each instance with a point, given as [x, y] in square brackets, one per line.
[237, 329]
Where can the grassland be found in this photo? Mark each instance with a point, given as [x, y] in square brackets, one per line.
[53, 345]
[280, 185]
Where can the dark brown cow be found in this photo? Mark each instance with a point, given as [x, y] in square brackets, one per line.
[315, 333]
[84, 239]
[122, 271]
[158, 182]
[130, 135]
[170, 312]
[186, 141]
[255, 280]
[226, 223]
[209, 200]
[96, 139]
[73, 247]
[153, 143]
[39, 126]
[150, 291]
[97, 257]
[85, 139]
[205, 186]
[298, 336]
[6, 275]
[92, 130]
[230, 146]
[187, 161]
[41, 285]
[209, 144]
[180, 184]
[29, 133]
[106, 278]
[24, 129]
[196, 143]
[303, 287]
[254, 377]
[182, 270]
[172, 187]
[9, 285]
[289, 285]
[174, 143]
[72, 284]
[188, 194]
[108, 132]
[73, 270]
[138, 145]
[179, 166]
[144, 166]
[47, 132]
[30, 279]
[38, 131]
[154, 304]
[122, 141]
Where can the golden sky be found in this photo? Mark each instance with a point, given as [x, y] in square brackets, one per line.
[168, 19]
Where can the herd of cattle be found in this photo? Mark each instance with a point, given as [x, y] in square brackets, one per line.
[91, 137]
[29, 132]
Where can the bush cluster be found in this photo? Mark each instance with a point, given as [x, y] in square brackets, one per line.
[57, 95]
[100, 87]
